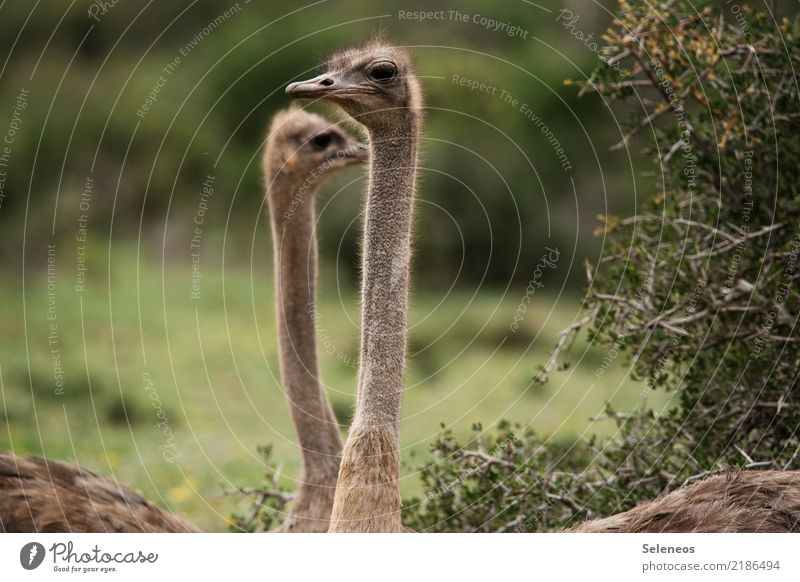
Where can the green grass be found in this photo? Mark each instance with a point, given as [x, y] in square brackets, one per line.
[214, 372]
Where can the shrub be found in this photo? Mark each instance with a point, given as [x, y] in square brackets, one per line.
[701, 287]
[699, 290]
[263, 506]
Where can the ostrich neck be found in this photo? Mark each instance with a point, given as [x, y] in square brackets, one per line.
[295, 261]
[387, 251]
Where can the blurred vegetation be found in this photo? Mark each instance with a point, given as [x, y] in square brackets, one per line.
[88, 78]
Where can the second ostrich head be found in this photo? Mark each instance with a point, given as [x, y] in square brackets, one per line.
[302, 144]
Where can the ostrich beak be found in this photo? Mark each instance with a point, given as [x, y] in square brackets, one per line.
[354, 153]
[359, 153]
[319, 87]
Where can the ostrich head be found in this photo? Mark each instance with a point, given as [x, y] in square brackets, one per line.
[302, 144]
[375, 84]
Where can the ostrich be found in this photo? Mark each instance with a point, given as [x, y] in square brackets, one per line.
[38, 495]
[376, 85]
[302, 149]
[739, 501]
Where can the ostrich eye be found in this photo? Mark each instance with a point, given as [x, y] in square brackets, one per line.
[383, 72]
[321, 141]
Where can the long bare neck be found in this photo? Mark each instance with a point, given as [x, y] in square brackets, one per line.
[387, 251]
[295, 251]
[367, 492]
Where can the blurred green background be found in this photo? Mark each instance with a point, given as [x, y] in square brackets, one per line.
[151, 373]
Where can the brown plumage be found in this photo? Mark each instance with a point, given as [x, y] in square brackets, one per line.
[736, 502]
[54, 497]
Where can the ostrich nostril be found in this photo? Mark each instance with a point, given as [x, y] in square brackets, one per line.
[326, 82]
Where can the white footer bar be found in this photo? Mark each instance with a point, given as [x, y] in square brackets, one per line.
[401, 557]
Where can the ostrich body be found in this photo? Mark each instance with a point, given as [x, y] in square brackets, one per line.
[736, 502]
[302, 149]
[38, 496]
[375, 85]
